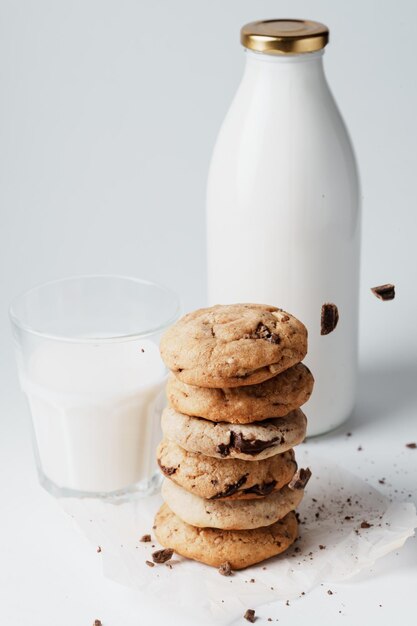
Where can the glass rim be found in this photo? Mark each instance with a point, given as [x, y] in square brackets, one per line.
[14, 318]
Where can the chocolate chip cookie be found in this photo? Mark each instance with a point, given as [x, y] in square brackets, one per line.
[230, 514]
[242, 405]
[233, 345]
[241, 548]
[212, 478]
[251, 442]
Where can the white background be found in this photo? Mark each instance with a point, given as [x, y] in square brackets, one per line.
[108, 115]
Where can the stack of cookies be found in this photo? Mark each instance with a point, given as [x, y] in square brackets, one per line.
[234, 393]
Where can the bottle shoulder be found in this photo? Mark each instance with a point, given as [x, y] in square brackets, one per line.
[308, 131]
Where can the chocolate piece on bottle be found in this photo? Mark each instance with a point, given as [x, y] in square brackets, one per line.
[384, 292]
[329, 318]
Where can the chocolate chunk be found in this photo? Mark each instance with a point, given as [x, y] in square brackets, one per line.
[225, 569]
[366, 525]
[145, 538]
[251, 446]
[329, 318]
[322, 547]
[231, 489]
[300, 478]
[384, 292]
[150, 564]
[161, 556]
[263, 489]
[167, 471]
[263, 332]
[223, 449]
[250, 616]
[246, 446]
[412, 446]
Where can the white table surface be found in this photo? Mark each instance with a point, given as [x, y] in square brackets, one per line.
[50, 574]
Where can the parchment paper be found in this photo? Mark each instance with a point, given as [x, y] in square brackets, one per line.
[335, 543]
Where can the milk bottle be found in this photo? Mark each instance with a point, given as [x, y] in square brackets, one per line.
[283, 214]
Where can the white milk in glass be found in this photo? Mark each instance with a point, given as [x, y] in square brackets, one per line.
[95, 411]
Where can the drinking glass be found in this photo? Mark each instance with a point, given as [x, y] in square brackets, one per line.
[89, 364]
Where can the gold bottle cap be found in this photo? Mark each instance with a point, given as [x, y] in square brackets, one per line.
[284, 36]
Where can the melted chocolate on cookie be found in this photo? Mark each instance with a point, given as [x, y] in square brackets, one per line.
[231, 489]
[263, 489]
[246, 446]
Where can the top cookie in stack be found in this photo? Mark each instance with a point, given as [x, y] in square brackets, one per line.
[234, 394]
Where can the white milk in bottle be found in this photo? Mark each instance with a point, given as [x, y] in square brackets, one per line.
[283, 214]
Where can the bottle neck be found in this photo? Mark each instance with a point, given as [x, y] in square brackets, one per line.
[294, 65]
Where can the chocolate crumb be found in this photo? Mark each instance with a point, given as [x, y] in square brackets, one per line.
[348, 434]
[322, 547]
[142, 350]
[384, 292]
[300, 478]
[360, 448]
[330, 592]
[381, 481]
[329, 318]
[225, 569]
[252, 580]
[269, 619]
[287, 603]
[161, 556]
[412, 446]
[366, 525]
[98, 549]
[250, 616]
[348, 517]
[97, 622]
[150, 564]
[145, 538]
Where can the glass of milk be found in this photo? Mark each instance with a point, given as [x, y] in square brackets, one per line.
[89, 365]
